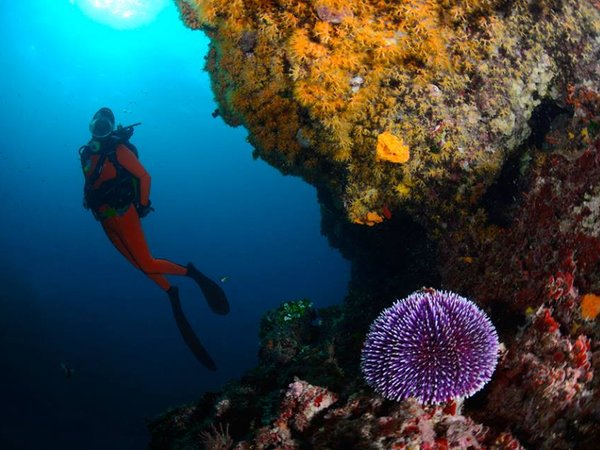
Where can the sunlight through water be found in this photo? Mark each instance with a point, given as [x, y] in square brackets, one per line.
[121, 14]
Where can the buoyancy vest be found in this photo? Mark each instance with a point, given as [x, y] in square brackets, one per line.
[117, 193]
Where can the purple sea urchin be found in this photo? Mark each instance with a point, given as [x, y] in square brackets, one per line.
[433, 345]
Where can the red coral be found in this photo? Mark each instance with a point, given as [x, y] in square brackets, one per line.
[559, 285]
[546, 322]
[546, 252]
[580, 352]
[506, 441]
[584, 101]
[541, 383]
[537, 266]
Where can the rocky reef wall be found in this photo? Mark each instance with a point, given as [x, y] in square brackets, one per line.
[392, 106]
[537, 276]
[454, 144]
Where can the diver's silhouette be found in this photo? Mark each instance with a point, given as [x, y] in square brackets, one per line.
[117, 190]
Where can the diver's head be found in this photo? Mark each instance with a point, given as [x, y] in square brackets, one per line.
[103, 123]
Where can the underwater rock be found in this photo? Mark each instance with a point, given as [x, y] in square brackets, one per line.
[461, 85]
[540, 277]
[544, 387]
[456, 82]
[285, 330]
[552, 244]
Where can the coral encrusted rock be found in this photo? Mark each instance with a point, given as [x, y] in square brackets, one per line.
[453, 84]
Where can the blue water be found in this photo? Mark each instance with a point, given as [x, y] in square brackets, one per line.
[66, 295]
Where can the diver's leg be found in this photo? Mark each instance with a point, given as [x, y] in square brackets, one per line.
[122, 231]
[111, 227]
[132, 236]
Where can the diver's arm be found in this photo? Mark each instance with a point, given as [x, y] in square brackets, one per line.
[129, 161]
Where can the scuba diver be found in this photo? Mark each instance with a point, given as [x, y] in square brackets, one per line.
[117, 191]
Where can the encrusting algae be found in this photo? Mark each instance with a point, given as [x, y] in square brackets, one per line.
[318, 83]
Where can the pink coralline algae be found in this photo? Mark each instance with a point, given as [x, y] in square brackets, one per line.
[555, 232]
[368, 422]
[544, 383]
[302, 402]
[365, 422]
[433, 345]
[371, 423]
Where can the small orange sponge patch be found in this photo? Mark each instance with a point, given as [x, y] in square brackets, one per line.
[392, 148]
[590, 306]
[371, 218]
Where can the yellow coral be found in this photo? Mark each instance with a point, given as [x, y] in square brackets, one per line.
[392, 148]
[402, 190]
[346, 70]
[590, 306]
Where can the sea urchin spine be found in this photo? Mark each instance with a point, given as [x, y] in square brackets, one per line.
[433, 345]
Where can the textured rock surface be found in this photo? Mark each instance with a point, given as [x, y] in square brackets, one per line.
[541, 276]
[319, 83]
[421, 107]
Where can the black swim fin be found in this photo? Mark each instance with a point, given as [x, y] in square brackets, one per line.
[215, 296]
[187, 332]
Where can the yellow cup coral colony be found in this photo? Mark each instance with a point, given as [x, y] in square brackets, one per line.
[334, 90]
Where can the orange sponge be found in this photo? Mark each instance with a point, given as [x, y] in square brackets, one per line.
[590, 306]
[392, 148]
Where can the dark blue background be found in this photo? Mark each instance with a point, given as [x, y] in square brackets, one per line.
[66, 295]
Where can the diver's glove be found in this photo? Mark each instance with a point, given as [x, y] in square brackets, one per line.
[124, 132]
[144, 210]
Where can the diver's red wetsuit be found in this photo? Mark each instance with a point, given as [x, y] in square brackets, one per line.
[125, 230]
